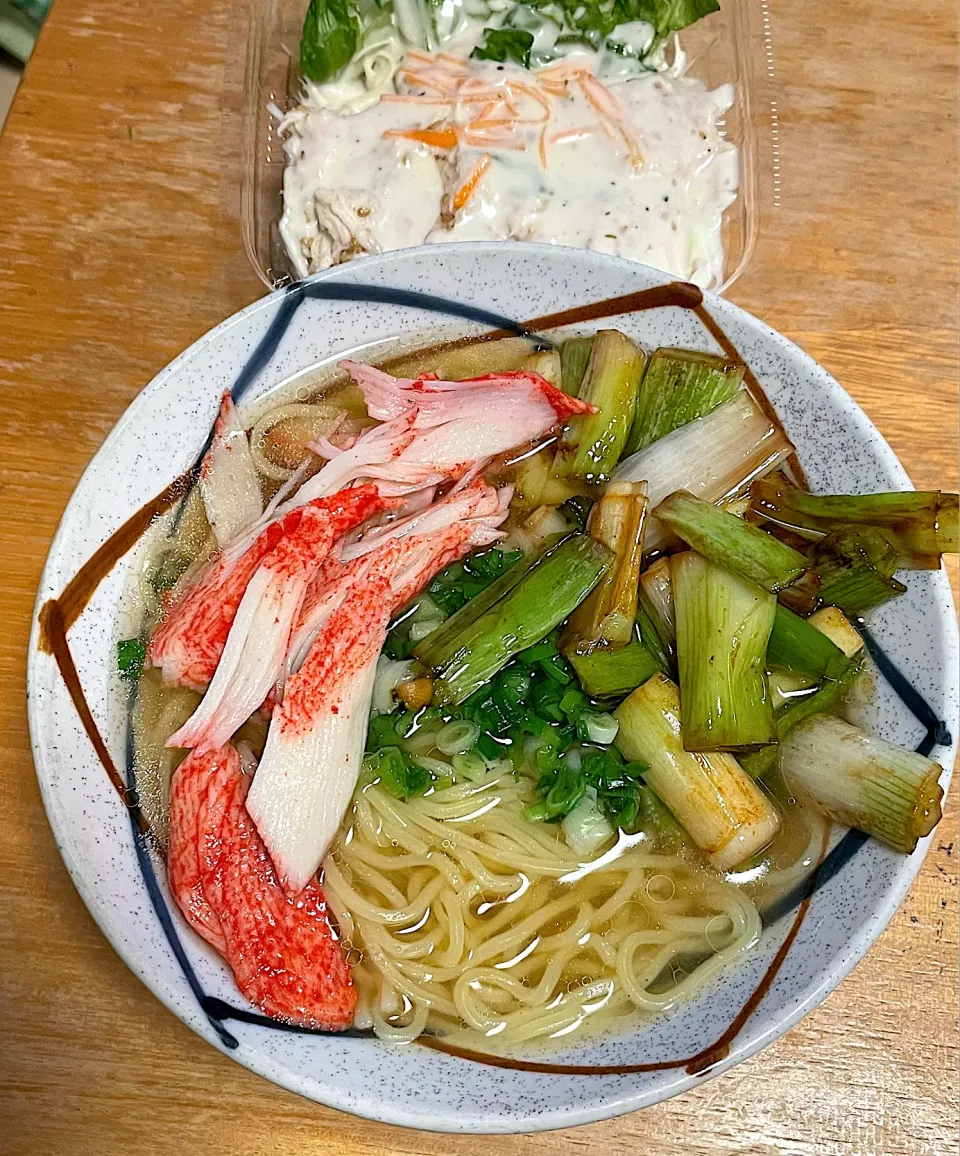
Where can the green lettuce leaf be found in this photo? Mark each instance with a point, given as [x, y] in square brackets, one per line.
[505, 44]
[329, 39]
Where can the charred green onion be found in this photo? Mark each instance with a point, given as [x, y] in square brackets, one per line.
[457, 624]
[656, 597]
[723, 628]
[797, 645]
[678, 387]
[921, 526]
[723, 810]
[542, 598]
[614, 673]
[855, 565]
[606, 619]
[826, 697]
[591, 444]
[574, 357]
[862, 781]
[714, 457]
[731, 542]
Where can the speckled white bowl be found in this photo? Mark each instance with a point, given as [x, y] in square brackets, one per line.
[159, 436]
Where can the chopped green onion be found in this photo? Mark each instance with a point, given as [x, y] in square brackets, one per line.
[731, 542]
[591, 444]
[574, 357]
[131, 655]
[678, 387]
[423, 629]
[725, 813]
[601, 728]
[544, 597]
[606, 619]
[398, 775]
[457, 737]
[862, 781]
[565, 780]
[470, 766]
[567, 787]
[585, 828]
[919, 525]
[723, 628]
[458, 583]
[414, 622]
[438, 768]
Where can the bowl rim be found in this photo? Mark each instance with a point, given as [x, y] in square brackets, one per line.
[370, 1105]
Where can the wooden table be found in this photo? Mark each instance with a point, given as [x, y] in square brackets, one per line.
[119, 246]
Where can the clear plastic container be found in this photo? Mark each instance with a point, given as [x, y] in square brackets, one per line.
[730, 46]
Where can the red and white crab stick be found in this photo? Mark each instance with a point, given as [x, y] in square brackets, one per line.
[315, 745]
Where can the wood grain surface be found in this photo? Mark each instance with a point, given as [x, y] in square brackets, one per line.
[119, 245]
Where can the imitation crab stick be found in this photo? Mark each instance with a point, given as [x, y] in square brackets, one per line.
[315, 744]
[466, 502]
[188, 642]
[282, 950]
[528, 397]
[256, 645]
[436, 430]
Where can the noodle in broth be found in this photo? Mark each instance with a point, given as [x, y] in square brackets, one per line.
[457, 911]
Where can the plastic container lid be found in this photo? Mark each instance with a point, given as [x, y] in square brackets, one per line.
[732, 46]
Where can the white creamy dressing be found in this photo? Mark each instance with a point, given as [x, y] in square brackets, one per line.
[384, 194]
[349, 190]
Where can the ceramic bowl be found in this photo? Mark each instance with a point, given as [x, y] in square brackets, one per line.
[122, 882]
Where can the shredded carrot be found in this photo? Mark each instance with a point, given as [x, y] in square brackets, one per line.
[469, 186]
[565, 69]
[409, 98]
[611, 115]
[415, 78]
[448, 59]
[539, 98]
[420, 57]
[488, 122]
[527, 90]
[497, 114]
[482, 140]
[466, 93]
[436, 138]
